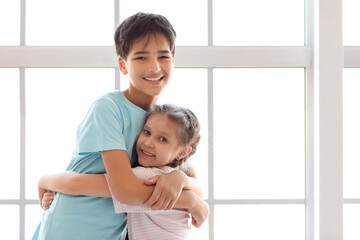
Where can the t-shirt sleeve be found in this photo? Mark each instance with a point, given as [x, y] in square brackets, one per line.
[102, 128]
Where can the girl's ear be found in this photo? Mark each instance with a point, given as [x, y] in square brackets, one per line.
[184, 152]
[122, 65]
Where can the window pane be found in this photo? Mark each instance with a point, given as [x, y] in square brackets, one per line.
[259, 133]
[9, 222]
[195, 98]
[33, 214]
[10, 22]
[67, 22]
[351, 19]
[200, 233]
[10, 133]
[57, 100]
[190, 23]
[259, 22]
[351, 131]
[351, 221]
[259, 222]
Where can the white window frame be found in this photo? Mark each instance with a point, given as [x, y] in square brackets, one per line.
[323, 57]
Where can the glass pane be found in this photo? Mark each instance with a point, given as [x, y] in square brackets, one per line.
[9, 220]
[259, 222]
[69, 23]
[33, 214]
[259, 133]
[195, 98]
[57, 100]
[351, 221]
[351, 19]
[259, 22]
[190, 23]
[200, 233]
[10, 133]
[10, 22]
[351, 131]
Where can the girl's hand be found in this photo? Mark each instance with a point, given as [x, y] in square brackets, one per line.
[167, 190]
[41, 193]
[199, 211]
[47, 199]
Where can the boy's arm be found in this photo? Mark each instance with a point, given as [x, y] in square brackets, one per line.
[74, 183]
[126, 187]
[129, 189]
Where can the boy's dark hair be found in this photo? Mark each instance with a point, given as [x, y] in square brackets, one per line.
[189, 127]
[141, 25]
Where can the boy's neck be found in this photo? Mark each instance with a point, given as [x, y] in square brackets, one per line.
[141, 100]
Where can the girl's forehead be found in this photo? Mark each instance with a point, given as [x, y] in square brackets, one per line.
[161, 121]
[155, 117]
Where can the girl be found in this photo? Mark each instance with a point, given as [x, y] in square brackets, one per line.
[169, 137]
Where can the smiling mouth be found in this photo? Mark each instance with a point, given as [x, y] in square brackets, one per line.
[154, 79]
[147, 153]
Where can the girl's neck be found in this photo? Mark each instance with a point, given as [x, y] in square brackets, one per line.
[139, 99]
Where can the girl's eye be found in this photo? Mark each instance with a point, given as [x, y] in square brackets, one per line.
[162, 139]
[146, 132]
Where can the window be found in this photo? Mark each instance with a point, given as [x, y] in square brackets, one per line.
[264, 83]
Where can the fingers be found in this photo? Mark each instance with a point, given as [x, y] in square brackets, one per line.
[171, 205]
[152, 181]
[47, 199]
[162, 203]
[153, 199]
[196, 223]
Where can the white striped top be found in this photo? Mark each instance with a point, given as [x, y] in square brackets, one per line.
[145, 223]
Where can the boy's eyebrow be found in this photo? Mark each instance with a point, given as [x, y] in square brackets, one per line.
[146, 52]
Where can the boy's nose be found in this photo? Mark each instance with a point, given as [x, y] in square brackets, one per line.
[154, 66]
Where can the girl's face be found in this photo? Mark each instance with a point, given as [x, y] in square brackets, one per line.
[158, 143]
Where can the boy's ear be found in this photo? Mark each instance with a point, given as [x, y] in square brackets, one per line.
[184, 152]
[122, 66]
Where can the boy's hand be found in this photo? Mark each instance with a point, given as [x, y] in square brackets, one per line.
[47, 199]
[167, 190]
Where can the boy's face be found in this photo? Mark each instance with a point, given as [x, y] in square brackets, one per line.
[149, 65]
[158, 143]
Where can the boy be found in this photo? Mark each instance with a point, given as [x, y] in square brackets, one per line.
[145, 44]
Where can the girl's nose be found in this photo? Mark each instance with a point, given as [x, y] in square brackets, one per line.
[149, 142]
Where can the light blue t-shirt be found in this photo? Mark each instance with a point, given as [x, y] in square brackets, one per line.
[112, 122]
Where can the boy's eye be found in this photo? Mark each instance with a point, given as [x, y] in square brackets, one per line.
[146, 132]
[164, 57]
[162, 139]
[140, 58]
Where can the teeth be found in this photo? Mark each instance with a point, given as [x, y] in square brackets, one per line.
[148, 154]
[153, 79]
